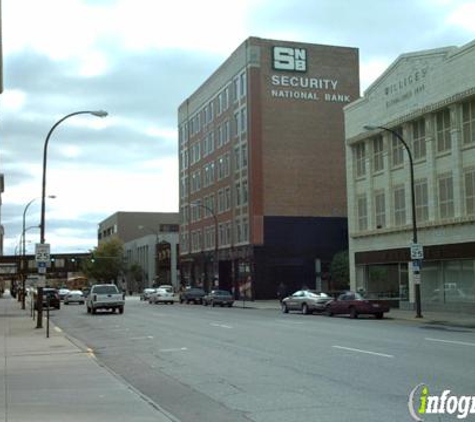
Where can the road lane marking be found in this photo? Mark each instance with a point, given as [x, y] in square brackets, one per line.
[141, 338]
[221, 325]
[461, 343]
[176, 349]
[368, 352]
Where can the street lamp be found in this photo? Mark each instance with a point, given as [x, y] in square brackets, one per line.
[417, 281]
[215, 263]
[98, 113]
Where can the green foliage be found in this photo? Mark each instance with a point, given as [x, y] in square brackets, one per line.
[340, 271]
[107, 262]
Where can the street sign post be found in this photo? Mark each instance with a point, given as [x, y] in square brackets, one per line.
[42, 253]
[417, 252]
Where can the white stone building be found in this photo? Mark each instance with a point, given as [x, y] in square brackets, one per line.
[428, 98]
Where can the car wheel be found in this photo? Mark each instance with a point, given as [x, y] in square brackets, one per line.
[328, 312]
[205, 303]
[305, 310]
[379, 315]
[66, 303]
[88, 310]
[212, 303]
[93, 311]
[353, 313]
[285, 310]
[230, 305]
[121, 309]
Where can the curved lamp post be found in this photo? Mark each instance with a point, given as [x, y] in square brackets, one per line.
[98, 113]
[413, 203]
[215, 263]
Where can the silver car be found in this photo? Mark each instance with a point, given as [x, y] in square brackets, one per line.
[305, 301]
[74, 296]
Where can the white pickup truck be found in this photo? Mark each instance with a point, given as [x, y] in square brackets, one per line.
[105, 296]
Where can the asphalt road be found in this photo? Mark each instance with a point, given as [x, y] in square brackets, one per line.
[233, 364]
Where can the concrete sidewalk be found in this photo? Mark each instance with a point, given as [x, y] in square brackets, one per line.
[431, 318]
[54, 380]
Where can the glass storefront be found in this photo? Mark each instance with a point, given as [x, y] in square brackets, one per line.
[388, 281]
[448, 282]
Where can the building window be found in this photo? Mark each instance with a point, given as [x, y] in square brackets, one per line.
[399, 206]
[470, 192]
[468, 122]
[362, 213]
[360, 158]
[419, 139]
[243, 128]
[245, 192]
[380, 210]
[238, 194]
[245, 229]
[397, 149]
[421, 194]
[243, 84]
[442, 119]
[244, 155]
[446, 196]
[227, 199]
[221, 206]
[226, 132]
[237, 158]
[378, 162]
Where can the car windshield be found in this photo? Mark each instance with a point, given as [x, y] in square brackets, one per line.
[102, 290]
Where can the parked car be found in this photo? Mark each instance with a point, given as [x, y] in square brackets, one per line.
[192, 294]
[51, 296]
[147, 293]
[218, 297]
[354, 304]
[167, 287]
[63, 291]
[105, 296]
[305, 301]
[74, 296]
[162, 296]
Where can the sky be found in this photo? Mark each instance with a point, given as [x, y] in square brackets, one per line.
[139, 60]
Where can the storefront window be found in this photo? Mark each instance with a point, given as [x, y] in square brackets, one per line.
[448, 282]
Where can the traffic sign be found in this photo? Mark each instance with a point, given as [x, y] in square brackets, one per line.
[42, 252]
[417, 251]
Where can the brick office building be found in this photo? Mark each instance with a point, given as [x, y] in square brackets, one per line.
[262, 167]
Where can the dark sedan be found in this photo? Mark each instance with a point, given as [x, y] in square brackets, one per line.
[354, 304]
[50, 296]
[218, 297]
[192, 294]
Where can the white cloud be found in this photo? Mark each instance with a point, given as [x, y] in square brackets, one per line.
[463, 16]
[13, 100]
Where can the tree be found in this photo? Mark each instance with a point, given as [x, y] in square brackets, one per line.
[340, 271]
[136, 278]
[106, 263]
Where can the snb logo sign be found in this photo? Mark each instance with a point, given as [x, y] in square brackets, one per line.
[290, 59]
